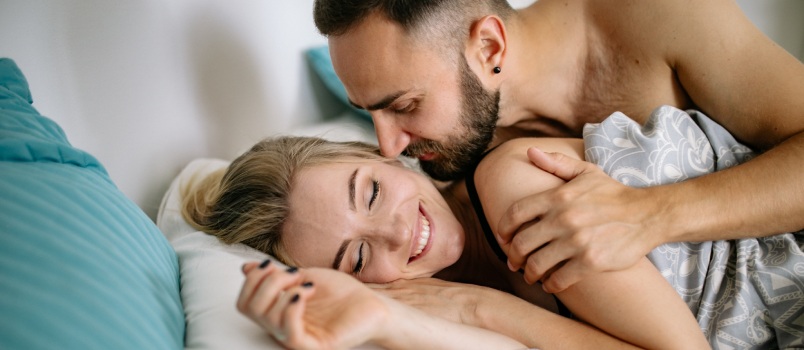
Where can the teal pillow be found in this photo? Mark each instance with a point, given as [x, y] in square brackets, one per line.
[319, 59]
[82, 267]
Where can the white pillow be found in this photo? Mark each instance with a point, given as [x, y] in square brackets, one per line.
[210, 275]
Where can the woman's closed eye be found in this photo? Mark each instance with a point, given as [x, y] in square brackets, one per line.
[360, 260]
[375, 191]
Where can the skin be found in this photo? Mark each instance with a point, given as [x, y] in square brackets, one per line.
[567, 63]
[382, 232]
[338, 312]
[384, 226]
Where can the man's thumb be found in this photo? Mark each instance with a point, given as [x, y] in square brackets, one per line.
[558, 164]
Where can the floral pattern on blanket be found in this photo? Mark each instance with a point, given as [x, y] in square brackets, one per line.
[746, 293]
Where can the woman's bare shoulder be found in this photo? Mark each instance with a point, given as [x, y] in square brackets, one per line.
[516, 150]
[506, 174]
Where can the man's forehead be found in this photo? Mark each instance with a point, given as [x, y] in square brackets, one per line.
[374, 69]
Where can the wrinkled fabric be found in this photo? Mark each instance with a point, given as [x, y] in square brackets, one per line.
[745, 293]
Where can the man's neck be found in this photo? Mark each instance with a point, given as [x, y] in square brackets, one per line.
[545, 52]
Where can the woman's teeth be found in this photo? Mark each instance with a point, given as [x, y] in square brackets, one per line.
[425, 235]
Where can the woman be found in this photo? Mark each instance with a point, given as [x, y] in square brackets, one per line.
[318, 204]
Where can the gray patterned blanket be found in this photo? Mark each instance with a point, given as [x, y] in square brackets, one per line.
[746, 293]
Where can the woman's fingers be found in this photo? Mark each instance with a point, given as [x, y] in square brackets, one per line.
[266, 292]
[271, 290]
[254, 275]
[293, 324]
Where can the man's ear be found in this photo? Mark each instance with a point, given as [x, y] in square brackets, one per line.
[487, 44]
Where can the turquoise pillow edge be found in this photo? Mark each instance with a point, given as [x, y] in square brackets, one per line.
[321, 62]
[54, 197]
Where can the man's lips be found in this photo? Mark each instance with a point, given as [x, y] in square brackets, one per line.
[427, 156]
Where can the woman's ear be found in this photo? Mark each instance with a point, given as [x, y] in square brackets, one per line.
[485, 52]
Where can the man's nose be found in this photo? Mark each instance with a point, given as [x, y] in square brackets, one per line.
[391, 137]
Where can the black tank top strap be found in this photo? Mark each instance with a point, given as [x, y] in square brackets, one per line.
[481, 216]
[487, 232]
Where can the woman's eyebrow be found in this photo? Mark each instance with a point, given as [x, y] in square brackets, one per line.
[352, 180]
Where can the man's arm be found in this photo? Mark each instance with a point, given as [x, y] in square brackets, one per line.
[739, 78]
[755, 89]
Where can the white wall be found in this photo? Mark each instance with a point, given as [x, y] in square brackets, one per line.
[148, 85]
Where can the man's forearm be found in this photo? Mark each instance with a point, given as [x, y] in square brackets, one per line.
[761, 197]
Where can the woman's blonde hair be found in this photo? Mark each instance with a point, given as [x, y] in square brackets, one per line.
[248, 202]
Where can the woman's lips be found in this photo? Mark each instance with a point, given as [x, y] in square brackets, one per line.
[422, 240]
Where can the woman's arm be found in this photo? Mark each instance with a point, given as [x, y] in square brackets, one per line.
[499, 311]
[323, 308]
[636, 304]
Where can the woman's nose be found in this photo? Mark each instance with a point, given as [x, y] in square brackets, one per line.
[392, 138]
[393, 233]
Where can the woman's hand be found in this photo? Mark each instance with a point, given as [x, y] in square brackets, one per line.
[311, 308]
[337, 311]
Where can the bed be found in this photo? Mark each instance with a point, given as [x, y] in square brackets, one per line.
[125, 101]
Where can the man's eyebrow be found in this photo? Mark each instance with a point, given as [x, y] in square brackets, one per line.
[336, 264]
[383, 104]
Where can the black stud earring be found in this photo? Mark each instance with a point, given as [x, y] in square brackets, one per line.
[497, 70]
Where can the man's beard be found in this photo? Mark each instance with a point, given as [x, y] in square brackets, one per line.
[459, 155]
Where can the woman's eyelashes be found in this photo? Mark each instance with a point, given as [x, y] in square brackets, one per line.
[375, 191]
[360, 261]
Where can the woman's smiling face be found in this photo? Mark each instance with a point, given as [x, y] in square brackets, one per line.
[378, 221]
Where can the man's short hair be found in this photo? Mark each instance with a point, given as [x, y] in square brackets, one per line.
[426, 19]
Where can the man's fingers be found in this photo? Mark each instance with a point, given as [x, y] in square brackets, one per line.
[520, 216]
[564, 277]
[544, 261]
[558, 164]
[524, 244]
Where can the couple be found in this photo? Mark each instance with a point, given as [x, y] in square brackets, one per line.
[323, 206]
[434, 74]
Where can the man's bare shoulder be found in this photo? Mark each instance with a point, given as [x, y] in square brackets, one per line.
[657, 23]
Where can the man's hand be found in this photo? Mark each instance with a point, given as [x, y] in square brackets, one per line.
[591, 224]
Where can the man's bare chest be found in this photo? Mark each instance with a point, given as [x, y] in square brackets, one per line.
[632, 83]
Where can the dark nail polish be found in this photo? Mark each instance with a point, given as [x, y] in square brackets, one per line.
[292, 269]
[294, 299]
[265, 263]
[307, 284]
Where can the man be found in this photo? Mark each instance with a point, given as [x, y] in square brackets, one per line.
[445, 80]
